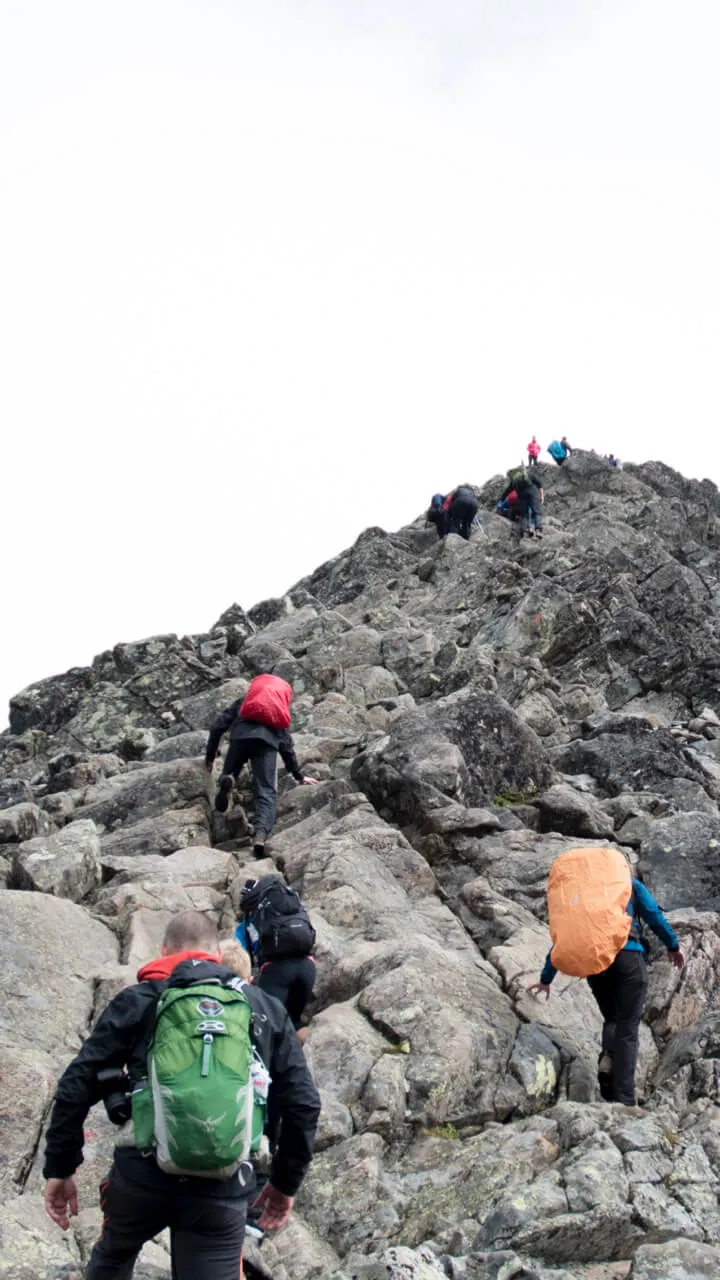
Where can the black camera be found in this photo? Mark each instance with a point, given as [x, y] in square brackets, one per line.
[114, 1091]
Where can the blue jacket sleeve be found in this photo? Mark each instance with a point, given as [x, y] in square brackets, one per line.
[649, 911]
[549, 970]
[247, 937]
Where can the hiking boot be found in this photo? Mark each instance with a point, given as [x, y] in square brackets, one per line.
[259, 844]
[222, 798]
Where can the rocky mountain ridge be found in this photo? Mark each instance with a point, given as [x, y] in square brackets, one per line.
[471, 709]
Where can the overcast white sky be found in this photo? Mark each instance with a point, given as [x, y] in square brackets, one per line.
[273, 272]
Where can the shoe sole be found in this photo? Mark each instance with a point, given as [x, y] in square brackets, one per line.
[222, 798]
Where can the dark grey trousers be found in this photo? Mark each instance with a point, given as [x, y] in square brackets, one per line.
[206, 1220]
[263, 762]
[620, 993]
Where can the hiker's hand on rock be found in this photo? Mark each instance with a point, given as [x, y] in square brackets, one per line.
[309, 782]
[677, 958]
[275, 1206]
[537, 988]
[61, 1200]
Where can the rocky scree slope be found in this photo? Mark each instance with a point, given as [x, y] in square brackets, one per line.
[471, 709]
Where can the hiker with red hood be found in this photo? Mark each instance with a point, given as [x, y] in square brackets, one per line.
[258, 725]
[198, 1055]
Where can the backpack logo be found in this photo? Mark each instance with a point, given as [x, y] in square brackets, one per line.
[209, 1008]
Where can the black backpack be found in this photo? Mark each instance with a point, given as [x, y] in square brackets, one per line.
[282, 922]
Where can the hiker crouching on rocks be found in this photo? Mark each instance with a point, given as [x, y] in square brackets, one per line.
[596, 912]
[437, 514]
[462, 510]
[258, 725]
[163, 1175]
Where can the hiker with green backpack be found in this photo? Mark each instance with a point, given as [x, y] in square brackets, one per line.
[530, 495]
[192, 1055]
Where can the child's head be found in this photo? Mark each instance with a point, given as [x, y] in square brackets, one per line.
[236, 958]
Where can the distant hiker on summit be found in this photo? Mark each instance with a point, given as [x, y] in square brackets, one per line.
[559, 450]
[595, 912]
[533, 452]
[258, 725]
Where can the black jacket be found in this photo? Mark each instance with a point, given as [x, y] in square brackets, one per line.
[120, 1039]
[249, 731]
[523, 487]
[463, 494]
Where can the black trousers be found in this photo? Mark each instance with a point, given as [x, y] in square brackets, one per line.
[620, 994]
[530, 500]
[263, 762]
[461, 515]
[206, 1218]
[532, 462]
[291, 980]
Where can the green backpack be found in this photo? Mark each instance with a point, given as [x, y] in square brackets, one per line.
[518, 476]
[201, 1109]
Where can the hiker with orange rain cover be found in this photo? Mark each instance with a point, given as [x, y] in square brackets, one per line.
[595, 910]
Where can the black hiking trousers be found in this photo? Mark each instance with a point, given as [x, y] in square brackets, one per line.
[206, 1218]
[263, 762]
[461, 514]
[291, 980]
[529, 496]
[620, 994]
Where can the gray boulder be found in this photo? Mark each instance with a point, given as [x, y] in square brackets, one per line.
[564, 809]
[680, 860]
[66, 864]
[146, 792]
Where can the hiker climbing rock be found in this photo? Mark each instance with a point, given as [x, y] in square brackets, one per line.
[461, 511]
[258, 725]
[276, 931]
[437, 514]
[559, 450]
[533, 452]
[595, 911]
[180, 1162]
[530, 497]
[509, 507]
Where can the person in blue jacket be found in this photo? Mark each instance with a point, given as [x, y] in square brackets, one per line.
[620, 993]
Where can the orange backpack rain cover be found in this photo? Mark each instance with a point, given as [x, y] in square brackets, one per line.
[588, 893]
[268, 701]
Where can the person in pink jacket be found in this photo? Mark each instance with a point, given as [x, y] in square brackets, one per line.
[533, 450]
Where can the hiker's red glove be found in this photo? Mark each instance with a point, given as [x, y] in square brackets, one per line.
[275, 1208]
[677, 958]
[61, 1200]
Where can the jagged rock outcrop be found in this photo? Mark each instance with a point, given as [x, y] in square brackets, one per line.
[470, 710]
